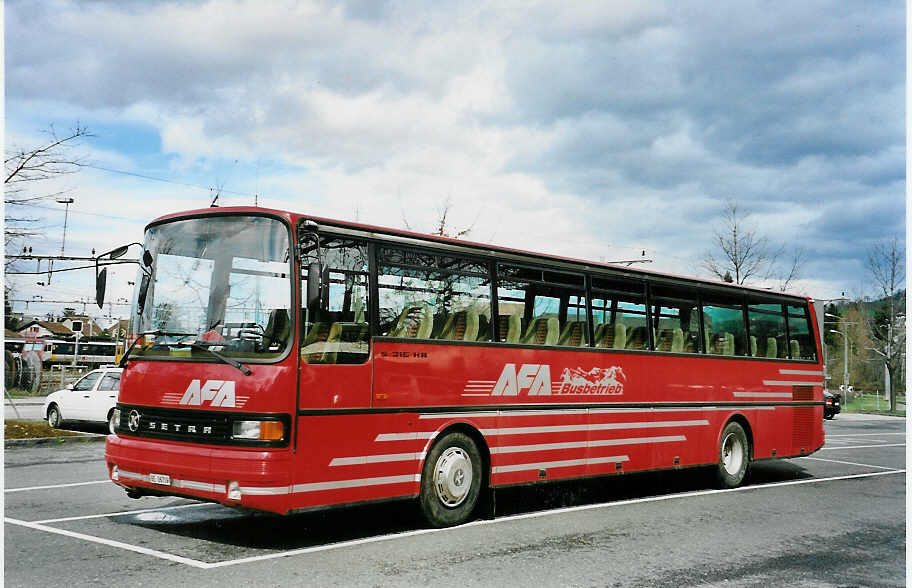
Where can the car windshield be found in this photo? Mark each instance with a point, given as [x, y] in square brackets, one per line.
[220, 282]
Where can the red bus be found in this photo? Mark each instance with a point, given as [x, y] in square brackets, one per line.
[286, 362]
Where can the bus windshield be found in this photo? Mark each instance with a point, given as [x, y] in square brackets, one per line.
[220, 282]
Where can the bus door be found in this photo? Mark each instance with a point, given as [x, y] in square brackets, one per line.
[335, 338]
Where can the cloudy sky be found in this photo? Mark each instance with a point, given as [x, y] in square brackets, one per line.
[588, 129]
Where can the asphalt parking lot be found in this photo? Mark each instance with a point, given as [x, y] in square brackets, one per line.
[836, 518]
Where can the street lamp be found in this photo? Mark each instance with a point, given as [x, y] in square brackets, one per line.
[845, 364]
[66, 216]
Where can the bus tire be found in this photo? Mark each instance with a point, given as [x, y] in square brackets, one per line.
[54, 418]
[450, 480]
[734, 456]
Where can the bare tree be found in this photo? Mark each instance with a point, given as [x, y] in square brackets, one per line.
[738, 250]
[886, 264]
[26, 171]
[441, 227]
[741, 255]
[793, 271]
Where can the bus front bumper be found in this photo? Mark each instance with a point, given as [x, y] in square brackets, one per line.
[240, 477]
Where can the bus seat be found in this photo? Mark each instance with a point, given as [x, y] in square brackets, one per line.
[574, 335]
[620, 336]
[728, 344]
[461, 326]
[611, 336]
[277, 330]
[343, 342]
[771, 347]
[542, 331]
[663, 340]
[484, 328]
[677, 341]
[312, 346]
[638, 339]
[509, 328]
[795, 348]
[415, 322]
[753, 346]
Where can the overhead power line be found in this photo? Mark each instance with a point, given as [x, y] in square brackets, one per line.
[165, 180]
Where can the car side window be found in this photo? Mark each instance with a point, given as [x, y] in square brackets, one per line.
[110, 382]
[87, 383]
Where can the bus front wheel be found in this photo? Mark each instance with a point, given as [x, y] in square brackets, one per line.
[450, 481]
[734, 456]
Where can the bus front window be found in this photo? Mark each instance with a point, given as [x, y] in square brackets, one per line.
[223, 282]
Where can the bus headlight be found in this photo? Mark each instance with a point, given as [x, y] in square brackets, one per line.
[258, 430]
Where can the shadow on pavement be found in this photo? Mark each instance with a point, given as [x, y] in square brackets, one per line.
[245, 529]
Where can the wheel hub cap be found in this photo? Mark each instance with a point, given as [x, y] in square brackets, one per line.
[453, 477]
[732, 454]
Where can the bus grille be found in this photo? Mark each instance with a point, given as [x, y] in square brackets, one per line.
[192, 426]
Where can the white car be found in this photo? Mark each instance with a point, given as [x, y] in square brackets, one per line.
[90, 399]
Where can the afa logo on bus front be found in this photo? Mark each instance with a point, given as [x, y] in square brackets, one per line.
[535, 380]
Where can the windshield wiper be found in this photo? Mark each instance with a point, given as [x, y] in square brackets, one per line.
[157, 333]
[200, 347]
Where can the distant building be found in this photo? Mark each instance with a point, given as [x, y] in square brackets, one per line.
[119, 329]
[85, 325]
[37, 328]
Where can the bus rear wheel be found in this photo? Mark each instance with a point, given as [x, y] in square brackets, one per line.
[734, 456]
[450, 481]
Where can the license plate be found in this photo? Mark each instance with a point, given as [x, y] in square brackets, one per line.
[162, 479]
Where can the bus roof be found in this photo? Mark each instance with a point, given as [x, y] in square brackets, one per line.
[462, 243]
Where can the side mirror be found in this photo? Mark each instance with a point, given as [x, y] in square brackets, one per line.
[143, 290]
[314, 270]
[69, 387]
[147, 258]
[101, 282]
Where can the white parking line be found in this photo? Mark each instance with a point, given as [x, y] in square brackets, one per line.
[863, 434]
[109, 542]
[862, 446]
[56, 486]
[357, 542]
[852, 463]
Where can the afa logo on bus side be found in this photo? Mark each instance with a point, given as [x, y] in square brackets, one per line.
[535, 380]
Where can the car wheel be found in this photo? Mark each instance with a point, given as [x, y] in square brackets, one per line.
[829, 417]
[451, 481]
[734, 456]
[54, 417]
[112, 422]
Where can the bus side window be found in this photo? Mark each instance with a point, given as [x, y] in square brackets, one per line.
[767, 324]
[723, 320]
[551, 305]
[337, 330]
[801, 342]
[676, 321]
[429, 295]
[619, 313]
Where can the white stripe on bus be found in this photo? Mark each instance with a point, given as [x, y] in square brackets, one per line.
[585, 444]
[790, 383]
[763, 395]
[366, 459]
[801, 373]
[186, 484]
[550, 429]
[592, 427]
